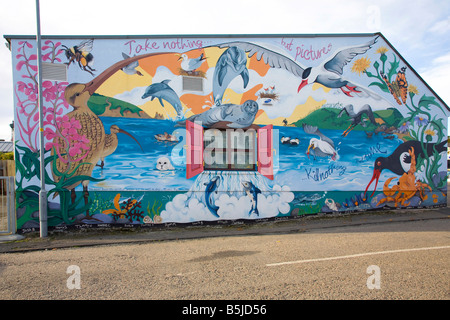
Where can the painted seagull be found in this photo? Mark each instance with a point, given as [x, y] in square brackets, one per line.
[190, 65]
[399, 162]
[328, 73]
[322, 147]
[356, 118]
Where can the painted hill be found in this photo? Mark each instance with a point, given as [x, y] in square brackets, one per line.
[326, 118]
[111, 107]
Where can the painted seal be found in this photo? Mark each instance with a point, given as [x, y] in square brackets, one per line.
[238, 116]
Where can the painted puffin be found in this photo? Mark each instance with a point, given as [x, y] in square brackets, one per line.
[399, 162]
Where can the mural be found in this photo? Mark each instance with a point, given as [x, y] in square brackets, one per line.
[185, 130]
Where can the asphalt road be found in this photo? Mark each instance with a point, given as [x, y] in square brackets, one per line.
[385, 258]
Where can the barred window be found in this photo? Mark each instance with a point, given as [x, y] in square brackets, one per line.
[229, 149]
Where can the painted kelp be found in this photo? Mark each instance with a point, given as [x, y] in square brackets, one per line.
[162, 130]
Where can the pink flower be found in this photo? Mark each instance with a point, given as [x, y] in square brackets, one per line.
[48, 119]
[49, 145]
[50, 91]
[73, 132]
[21, 86]
[73, 152]
[29, 89]
[20, 64]
[46, 56]
[47, 84]
[49, 133]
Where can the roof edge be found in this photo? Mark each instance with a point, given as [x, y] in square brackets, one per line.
[225, 35]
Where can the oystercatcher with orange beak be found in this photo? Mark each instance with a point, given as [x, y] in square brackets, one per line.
[399, 162]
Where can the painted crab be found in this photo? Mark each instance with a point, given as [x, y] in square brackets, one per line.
[406, 187]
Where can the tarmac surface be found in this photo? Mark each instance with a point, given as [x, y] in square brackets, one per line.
[98, 237]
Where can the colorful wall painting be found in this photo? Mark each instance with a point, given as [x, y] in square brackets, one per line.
[154, 130]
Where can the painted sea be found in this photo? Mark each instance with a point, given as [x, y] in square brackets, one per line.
[130, 168]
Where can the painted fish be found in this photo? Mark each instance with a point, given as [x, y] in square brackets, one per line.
[303, 199]
[252, 193]
[211, 186]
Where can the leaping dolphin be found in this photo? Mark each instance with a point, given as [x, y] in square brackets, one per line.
[210, 189]
[232, 63]
[252, 192]
[162, 90]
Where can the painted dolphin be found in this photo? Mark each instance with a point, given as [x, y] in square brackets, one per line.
[239, 116]
[232, 63]
[163, 91]
[252, 193]
[211, 186]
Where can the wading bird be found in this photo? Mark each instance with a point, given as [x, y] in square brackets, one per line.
[77, 95]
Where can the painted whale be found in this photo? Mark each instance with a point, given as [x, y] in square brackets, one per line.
[163, 91]
[232, 63]
[239, 116]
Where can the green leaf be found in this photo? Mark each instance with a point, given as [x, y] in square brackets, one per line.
[393, 70]
[426, 101]
[382, 86]
[79, 178]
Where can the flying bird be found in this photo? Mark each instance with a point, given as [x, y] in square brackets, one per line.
[131, 68]
[356, 118]
[329, 73]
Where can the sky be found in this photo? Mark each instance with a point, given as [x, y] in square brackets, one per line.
[419, 30]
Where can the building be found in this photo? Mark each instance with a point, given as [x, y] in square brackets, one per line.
[144, 130]
[6, 146]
